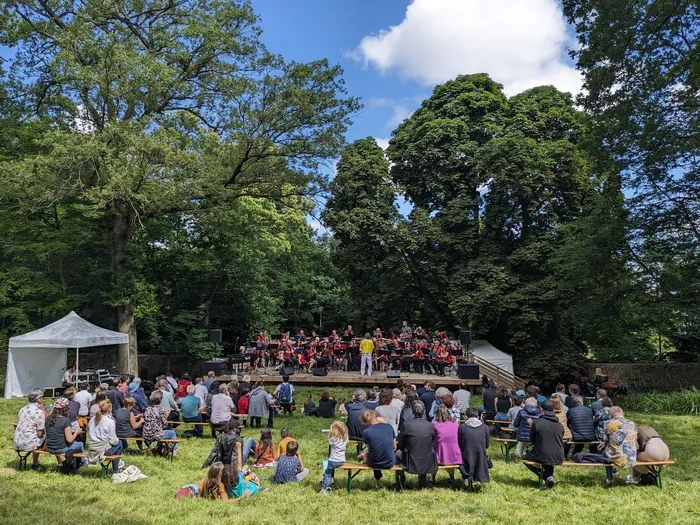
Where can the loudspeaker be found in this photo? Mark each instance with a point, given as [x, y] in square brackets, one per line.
[393, 373]
[319, 371]
[213, 366]
[468, 371]
[465, 337]
[288, 371]
[215, 335]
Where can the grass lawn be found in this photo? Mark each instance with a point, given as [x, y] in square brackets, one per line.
[511, 497]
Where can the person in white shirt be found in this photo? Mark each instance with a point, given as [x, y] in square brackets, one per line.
[84, 397]
[200, 390]
[463, 398]
[102, 431]
[68, 377]
[172, 384]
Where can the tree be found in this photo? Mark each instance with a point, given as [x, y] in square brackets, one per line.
[641, 85]
[161, 109]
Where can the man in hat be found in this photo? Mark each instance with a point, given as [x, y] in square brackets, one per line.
[138, 395]
[546, 436]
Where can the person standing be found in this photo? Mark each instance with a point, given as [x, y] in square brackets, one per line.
[547, 438]
[473, 439]
[366, 347]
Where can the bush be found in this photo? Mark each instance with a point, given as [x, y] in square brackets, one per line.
[681, 402]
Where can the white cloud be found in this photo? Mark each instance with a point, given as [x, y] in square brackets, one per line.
[382, 143]
[520, 43]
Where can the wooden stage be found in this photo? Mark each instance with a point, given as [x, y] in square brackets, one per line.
[355, 379]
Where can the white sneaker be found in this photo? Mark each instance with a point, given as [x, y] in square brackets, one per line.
[631, 480]
[121, 464]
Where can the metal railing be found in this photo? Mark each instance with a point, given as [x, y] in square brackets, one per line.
[497, 374]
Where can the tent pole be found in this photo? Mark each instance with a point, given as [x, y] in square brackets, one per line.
[77, 365]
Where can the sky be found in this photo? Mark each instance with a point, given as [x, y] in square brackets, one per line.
[394, 52]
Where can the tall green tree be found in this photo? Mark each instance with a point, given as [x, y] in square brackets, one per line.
[641, 83]
[161, 109]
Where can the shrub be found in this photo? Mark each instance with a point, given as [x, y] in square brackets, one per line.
[681, 402]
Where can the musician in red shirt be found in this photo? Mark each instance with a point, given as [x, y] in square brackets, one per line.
[348, 332]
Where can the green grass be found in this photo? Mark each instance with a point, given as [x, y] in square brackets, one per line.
[680, 402]
[511, 497]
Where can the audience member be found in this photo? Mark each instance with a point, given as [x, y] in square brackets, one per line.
[128, 425]
[265, 453]
[30, 432]
[190, 405]
[601, 418]
[155, 423]
[310, 408]
[580, 420]
[379, 438]
[523, 423]
[415, 450]
[517, 407]
[407, 412]
[200, 390]
[290, 468]
[337, 443]
[236, 484]
[84, 398]
[326, 406]
[429, 396]
[60, 438]
[463, 398]
[212, 487]
[221, 409]
[103, 437]
[95, 406]
[473, 438]
[546, 436]
[650, 447]
[389, 412]
[285, 395]
[258, 404]
[489, 401]
[558, 407]
[561, 393]
[574, 390]
[396, 398]
[502, 405]
[137, 394]
[355, 409]
[447, 451]
[209, 380]
[182, 384]
[598, 403]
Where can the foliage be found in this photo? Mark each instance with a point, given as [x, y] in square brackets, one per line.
[151, 114]
[640, 67]
[680, 402]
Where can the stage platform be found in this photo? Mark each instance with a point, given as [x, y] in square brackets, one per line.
[355, 379]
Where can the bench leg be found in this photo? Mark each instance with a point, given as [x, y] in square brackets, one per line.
[105, 465]
[540, 479]
[23, 459]
[509, 447]
[349, 480]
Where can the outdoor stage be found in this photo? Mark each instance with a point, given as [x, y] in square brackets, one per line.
[355, 379]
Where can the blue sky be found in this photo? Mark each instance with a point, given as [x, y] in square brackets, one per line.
[394, 52]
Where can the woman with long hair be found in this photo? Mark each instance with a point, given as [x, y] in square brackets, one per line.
[211, 487]
[265, 452]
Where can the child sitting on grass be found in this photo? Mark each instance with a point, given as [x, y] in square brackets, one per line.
[211, 487]
[309, 406]
[338, 441]
[239, 483]
[286, 436]
[289, 467]
[265, 453]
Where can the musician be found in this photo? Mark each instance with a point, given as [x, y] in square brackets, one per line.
[288, 355]
[300, 337]
[306, 358]
[348, 332]
[406, 331]
[318, 360]
[382, 352]
[443, 358]
[333, 338]
[419, 333]
[377, 335]
[422, 360]
[353, 356]
[398, 356]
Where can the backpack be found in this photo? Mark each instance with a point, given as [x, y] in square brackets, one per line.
[285, 394]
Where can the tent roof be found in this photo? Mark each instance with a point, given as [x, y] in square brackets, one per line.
[72, 331]
[493, 355]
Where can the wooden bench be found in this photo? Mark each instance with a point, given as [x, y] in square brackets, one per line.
[169, 444]
[106, 463]
[654, 466]
[359, 467]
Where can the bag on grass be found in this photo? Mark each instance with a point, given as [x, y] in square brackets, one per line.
[188, 491]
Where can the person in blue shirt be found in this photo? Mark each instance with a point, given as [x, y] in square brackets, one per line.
[379, 438]
[190, 406]
[289, 468]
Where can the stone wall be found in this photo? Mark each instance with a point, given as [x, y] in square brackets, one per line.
[651, 376]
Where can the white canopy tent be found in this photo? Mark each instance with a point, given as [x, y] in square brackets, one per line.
[37, 359]
[486, 351]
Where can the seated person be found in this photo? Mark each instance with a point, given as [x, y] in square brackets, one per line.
[190, 407]
[29, 434]
[60, 438]
[289, 467]
[379, 438]
[102, 431]
[155, 422]
[229, 448]
[580, 419]
[238, 483]
[650, 447]
[473, 438]
[389, 412]
[326, 406]
[265, 452]
[285, 437]
[309, 406]
[355, 409]
[517, 407]
[546, 435]
[522, 423]
[128, 424]
[601, 418]
[415, 450]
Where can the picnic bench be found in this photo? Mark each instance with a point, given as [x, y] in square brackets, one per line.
[360, 467]
[105, 464]
[169, 444]
[654, 466]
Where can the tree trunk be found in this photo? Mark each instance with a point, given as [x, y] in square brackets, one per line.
[123, 282]
[128, 353]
